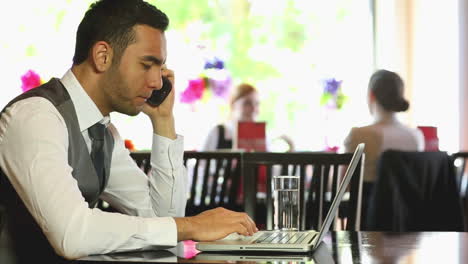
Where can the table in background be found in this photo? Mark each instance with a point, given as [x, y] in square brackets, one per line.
[339, 247]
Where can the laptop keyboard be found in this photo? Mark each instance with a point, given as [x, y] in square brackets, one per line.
[281, 238]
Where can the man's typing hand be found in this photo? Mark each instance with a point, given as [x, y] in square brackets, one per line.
[214, 224]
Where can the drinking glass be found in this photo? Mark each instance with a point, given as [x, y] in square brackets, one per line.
[286, 202]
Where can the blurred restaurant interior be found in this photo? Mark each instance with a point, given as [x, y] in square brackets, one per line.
[287, 51]
[292, 52]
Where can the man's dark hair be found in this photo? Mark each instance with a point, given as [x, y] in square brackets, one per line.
[113, 21]
[387, 88]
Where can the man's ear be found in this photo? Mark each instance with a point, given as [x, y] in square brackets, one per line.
[371, 96]
[102, 56]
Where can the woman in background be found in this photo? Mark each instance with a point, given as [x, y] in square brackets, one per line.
[385, 100]
[244, 105]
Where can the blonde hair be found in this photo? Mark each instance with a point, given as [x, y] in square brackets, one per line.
[242, 90]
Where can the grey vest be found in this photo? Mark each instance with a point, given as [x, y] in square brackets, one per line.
[25, 233]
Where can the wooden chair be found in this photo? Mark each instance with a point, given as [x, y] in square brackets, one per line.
[320, 174]
[214, 180]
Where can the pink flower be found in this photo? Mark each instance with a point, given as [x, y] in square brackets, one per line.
[194, 91]
[333, 149]
[30, 80]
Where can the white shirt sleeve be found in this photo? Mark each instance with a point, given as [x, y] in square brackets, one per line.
[33, 155]
[162, 193]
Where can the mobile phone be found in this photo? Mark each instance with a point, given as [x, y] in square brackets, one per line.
[158, 96]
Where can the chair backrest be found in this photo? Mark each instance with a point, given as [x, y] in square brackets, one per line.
[214, 180]
[320, 176]
[415, 191]
[460, 159]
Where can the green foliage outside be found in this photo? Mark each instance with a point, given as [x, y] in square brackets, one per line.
[232, 27]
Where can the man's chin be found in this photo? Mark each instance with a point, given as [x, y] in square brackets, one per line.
[131, 111]
[134, 113]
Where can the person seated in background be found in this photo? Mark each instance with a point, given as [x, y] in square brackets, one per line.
[60, 153]
[244, 107]
[385, 99]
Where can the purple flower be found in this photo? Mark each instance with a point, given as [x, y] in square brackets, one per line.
[216, 63]
[332, 85]
[219, 82]
[208, 65]
[219, 64]
[214, 78]
[194, 91]
[332, 96]
[30, 80]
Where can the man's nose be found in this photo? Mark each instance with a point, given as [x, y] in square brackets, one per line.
[155, 81]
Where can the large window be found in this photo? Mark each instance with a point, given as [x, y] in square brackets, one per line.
[287, 49]
[420, 40]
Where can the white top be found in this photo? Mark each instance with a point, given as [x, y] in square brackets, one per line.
[34, 156]
[211, 141]
[382, 136]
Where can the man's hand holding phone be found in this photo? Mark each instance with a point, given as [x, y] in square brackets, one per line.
[159, 107]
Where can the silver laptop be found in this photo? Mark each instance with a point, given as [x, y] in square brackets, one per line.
[322, 254]
[286, 241]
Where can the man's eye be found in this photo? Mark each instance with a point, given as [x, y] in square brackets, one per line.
[146, 66]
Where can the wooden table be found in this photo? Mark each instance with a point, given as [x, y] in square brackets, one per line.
[338, 247]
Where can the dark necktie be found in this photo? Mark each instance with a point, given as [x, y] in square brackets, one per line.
[96, 133]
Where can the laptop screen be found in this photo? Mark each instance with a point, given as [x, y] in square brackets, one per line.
[341, 191]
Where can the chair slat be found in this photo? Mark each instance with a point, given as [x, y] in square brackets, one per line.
[214, 192]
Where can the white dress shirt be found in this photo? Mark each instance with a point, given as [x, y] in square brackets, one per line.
[34, 156]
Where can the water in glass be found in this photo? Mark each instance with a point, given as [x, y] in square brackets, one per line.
[286, 202]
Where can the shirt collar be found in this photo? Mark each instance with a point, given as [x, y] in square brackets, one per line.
[86, 110]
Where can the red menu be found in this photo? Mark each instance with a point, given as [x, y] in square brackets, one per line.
[431, 139]
[250, 136]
